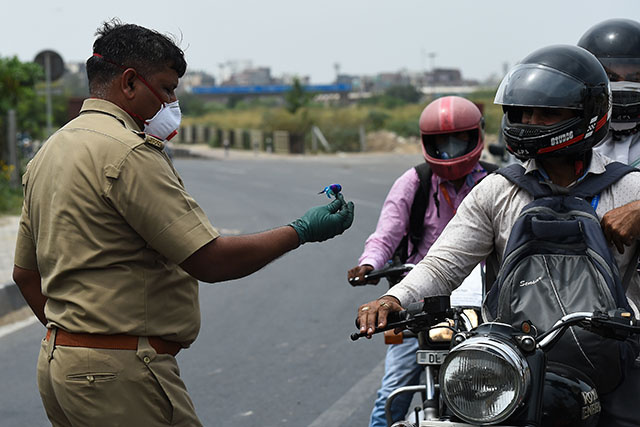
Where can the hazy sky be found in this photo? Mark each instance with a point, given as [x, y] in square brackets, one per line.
[308, 38]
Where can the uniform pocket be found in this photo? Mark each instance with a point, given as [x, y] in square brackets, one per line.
[167, 404]
[92, 377]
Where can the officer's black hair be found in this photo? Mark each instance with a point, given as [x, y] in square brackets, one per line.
[122, 45]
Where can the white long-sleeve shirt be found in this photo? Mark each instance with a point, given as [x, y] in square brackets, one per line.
[482, 225]
[625, 150]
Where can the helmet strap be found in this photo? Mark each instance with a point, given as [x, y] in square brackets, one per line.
[581, 162]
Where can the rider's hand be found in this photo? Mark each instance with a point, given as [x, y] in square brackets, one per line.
[355, 276]
[324, 222]
[373, 314]
[621, 226]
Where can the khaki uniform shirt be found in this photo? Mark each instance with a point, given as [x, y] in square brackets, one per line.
[106, 220]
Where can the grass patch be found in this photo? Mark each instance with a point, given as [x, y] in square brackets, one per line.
[10, 198]
[339, 123]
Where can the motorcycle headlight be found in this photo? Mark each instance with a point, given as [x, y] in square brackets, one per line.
[484, 380]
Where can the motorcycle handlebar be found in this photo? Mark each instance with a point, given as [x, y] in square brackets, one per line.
[428, 312]
[617, 324]
[387, 272]
[395, 319]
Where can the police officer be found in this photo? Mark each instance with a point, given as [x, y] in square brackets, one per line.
[111, 246]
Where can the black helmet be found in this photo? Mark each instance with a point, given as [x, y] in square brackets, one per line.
[616, 43]
[560, 76]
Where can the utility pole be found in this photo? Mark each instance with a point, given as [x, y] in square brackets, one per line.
[432, 56]
[13, 155]
[53, 66]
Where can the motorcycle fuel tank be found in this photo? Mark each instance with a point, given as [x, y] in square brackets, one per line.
[570, 398]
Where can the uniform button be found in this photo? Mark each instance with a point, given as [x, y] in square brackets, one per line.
[146, 359]
[90, 378]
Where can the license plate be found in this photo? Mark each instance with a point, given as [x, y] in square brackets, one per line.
[431, 357]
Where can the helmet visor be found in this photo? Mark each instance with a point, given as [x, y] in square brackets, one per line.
[625, 93]
[622, 69]
[535, 85]
[450, 145]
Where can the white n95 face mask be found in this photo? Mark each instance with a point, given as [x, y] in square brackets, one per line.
[164, 125]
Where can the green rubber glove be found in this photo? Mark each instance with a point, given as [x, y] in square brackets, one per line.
[324, 222]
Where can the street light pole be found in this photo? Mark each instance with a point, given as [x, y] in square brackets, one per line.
[47, 74]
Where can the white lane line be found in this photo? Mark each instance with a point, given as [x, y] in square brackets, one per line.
[357, 396]
[9, 329]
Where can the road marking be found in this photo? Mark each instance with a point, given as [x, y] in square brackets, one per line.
[9, 329]
[358, 395]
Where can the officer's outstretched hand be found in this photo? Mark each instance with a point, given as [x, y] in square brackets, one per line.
[324, 222]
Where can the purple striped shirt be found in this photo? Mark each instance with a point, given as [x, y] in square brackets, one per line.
[393, 223]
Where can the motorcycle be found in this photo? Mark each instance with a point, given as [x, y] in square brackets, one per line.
[496, 374]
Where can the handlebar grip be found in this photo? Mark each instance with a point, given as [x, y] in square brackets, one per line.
[355, 281]
[392, 317]
[356, 335]
[394, 320]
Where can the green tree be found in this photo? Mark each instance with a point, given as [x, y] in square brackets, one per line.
[192, 105]
[406, 93]
[17, 82]
[297, 97]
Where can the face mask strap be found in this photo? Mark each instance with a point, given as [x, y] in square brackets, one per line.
[138, 75]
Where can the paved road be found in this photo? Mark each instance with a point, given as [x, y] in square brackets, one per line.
[273, 348]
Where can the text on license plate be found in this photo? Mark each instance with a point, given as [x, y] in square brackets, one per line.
[431, 357]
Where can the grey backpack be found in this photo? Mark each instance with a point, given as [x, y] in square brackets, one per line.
[557, 262]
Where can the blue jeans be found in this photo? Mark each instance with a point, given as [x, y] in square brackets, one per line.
[400, 369]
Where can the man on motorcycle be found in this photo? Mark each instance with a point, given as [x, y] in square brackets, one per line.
[557, 107]
[616, 44]
[111, 245]
[452, 133]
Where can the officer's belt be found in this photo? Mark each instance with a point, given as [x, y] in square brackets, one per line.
[112, 342]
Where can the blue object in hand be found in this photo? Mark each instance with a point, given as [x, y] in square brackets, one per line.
[332, 190]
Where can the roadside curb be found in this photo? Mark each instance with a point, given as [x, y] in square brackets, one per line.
[11, 300]
[182, 152]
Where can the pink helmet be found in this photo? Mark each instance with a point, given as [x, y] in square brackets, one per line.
[452, 133]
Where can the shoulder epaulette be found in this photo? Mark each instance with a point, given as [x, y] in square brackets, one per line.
[153, 141]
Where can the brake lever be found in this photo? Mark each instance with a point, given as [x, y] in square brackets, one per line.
[616, 324]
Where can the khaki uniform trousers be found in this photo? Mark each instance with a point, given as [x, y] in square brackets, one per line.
[83, 387]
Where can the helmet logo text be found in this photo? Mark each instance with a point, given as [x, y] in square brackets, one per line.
[561, 138]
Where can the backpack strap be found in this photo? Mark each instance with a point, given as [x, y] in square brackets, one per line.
[593, 184]
[528, 182]
[590, 186]
[416, 215]
[419, 206]
[488, 167]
